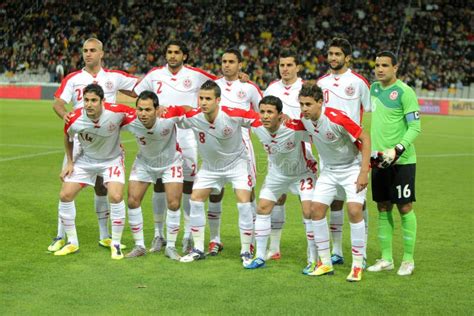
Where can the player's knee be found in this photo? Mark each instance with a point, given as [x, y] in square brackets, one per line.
[133, 202]
[404, 208]
[174, 204]
[115, 197]
[65, 196]
[384, 206]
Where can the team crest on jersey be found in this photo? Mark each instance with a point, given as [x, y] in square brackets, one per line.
[241, 94]
[112, 127]
[165, 131]
[330, 135]
[109, 85]
[349, 90]
[227, 131]
[393, 95]
[290, 145]
[187, 83]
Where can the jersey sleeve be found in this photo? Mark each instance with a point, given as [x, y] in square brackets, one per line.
[256, 96]
[72, 118]
[143, 85]
[344, 123]
[125, 81]
[365, 97]
[411, 110]
[65, 91]
[246, 118]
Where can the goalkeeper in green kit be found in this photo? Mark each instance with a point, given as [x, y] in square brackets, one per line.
[395, 125]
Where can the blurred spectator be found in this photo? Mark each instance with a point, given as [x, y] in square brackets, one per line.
[436, 50]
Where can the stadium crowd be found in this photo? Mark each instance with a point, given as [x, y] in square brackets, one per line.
[436, 49]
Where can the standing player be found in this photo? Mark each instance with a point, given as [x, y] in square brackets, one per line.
[288, 170]
[345, 90]
[287, 90]
[239, 95]
[71, 89]
[335, 136]
[98, 126]
[224, 159]
[158, 158]
[175, 84]
[395, 126]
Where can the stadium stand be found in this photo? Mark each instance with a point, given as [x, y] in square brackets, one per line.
[42, 39]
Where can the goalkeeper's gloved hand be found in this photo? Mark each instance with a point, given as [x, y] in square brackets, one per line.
[390, 156]
[376, 159]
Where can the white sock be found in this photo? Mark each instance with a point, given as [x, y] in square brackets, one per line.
[254, 218]
[313, 252]
[336, 223]
[117, 215]
[198, 223]
[365, 213]
[278, 220]
[186, 214]
[245, 226]
[102, 210]
[214, 219]
[159, 208]
[262, 232]
[61, 231]
[67, 213]
[321, 238]
[172, 227]
[358, 243]
[135, 220]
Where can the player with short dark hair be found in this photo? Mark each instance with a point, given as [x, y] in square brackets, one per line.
[97, 125]
[395, 126]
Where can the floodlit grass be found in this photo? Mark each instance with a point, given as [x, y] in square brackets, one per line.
[32, 281]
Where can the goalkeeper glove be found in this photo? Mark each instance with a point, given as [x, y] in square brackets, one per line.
[390, 156]
[376, 159]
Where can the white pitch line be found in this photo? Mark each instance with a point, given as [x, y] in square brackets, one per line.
[29, 146]
[447, 136]
[32, 155]
[446, 155]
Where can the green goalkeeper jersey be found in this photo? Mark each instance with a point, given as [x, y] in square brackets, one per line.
[395, 119]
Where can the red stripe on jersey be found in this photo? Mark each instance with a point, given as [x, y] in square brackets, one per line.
[295, 125]
[130, 113]
[193, 112]
[174, 111]
[60, 90]
[153, 69]
[126, 74]
[256, 86]
[211, 76]
[274, 81]
[340, 118]
[72, 118]
[323, 76]
[234, 112]
[361, 77]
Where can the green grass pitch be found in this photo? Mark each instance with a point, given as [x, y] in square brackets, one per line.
[32, 281]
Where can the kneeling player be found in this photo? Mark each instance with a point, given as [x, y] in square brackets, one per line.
[335, 136]
[98, 126]
[158, 158]
[289, 168]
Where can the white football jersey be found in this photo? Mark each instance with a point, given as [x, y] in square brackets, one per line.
[239, 95]
[157, 145]
[220, 143]
[181, 88]
[111, 81]
[334, 135]
[349, 92]
[288, 96]
[100, 139]
[286, 148]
